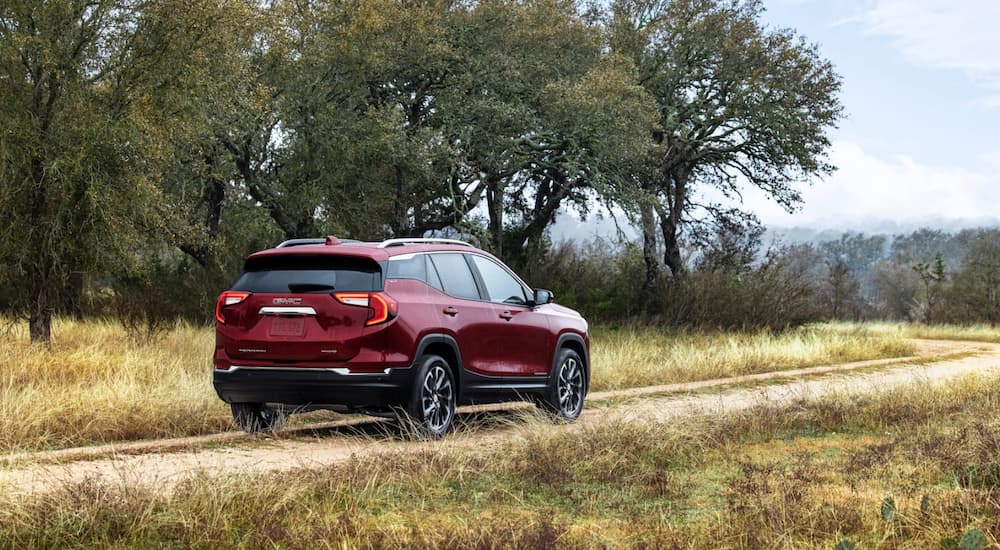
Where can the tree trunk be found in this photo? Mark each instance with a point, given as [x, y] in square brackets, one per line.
[648, 222]
[494, 203]
[669, 228]
[40, 314]
[75, 288]
[39, 306]
[670, 220]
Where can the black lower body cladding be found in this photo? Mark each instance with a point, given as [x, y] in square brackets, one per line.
[313, 387]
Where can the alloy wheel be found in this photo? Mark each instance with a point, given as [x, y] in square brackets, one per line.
[437, 399]
[570, 387]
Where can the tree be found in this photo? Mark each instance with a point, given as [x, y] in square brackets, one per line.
[896, 286]
[88, 92]
[924, 245]
[933, 278]
[976, 286]
[542, 116]
[859, 252]
[732, 246]
[384, 118]
[842, 287]
[740, 105]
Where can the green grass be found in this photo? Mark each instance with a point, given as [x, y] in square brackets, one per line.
[800, 476]
[96, 385]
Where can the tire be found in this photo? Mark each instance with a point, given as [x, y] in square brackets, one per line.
[258, 418]
[431, 411]
[563, 399]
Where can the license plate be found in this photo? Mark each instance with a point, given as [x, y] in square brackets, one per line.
[288, 326]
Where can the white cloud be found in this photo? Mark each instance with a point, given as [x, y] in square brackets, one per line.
[869, 188]
[992, 158]
[944, 35]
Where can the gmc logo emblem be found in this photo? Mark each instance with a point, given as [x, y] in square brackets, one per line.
[286, 301]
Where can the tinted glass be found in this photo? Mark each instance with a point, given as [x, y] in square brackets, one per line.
[300, 274]
[455, 275]
[500, 285]
[411, 268]
[432, 275]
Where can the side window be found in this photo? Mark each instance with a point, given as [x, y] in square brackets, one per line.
[500, 285]
[432, 275]
[455, 275]
[414, 267]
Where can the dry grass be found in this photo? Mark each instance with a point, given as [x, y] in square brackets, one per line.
[801, 476]
[975, 333]
[633, 356]
[96, 385]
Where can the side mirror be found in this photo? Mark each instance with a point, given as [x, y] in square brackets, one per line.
[543, 296]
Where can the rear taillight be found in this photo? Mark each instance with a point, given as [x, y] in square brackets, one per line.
[226, 299]
[381, 306]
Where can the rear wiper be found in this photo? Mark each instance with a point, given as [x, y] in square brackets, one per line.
[309, 287]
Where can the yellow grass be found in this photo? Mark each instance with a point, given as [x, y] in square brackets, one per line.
[632, 357]
[805, 475]
[976, 332]
[96, 385]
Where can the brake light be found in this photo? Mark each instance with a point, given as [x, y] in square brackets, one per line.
[381, 306]
[226, 299]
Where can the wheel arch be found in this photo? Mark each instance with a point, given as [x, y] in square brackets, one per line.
[575, 342]
[447, 347]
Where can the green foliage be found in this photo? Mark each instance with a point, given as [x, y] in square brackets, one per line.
[153, 145]
[604, 282]
[973, 539]
[90, 93]
[888, 509]
[845, 544]
[598, 279]
[740, 104]
[220, 129]
[976, 286]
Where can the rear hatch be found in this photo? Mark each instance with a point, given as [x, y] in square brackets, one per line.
[291, 314]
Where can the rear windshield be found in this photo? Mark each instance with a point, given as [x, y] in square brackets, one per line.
[304, 274]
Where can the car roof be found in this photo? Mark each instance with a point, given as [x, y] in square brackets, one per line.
[377, 251]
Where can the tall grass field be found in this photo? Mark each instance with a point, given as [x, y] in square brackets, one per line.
[914, 467]
[97, 385]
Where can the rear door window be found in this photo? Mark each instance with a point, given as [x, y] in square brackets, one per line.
[455, 276]
[304, 274]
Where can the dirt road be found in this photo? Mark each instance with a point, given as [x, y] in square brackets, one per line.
[164, 463]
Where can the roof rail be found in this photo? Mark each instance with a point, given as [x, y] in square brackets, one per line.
[331, 240]
[405, 241]
[300, 242]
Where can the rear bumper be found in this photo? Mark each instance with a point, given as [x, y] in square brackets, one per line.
[314, 387]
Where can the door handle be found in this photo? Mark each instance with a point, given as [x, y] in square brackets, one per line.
[450, 311]
[506, 315]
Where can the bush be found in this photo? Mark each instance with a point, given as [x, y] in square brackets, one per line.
[601, 280]
[773, 295]
[604, 282]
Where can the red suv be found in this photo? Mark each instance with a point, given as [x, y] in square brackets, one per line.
[405, 327]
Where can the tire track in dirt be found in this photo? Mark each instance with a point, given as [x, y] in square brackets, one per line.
[165, 462]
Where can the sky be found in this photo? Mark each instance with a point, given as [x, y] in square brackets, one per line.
[921, 91]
